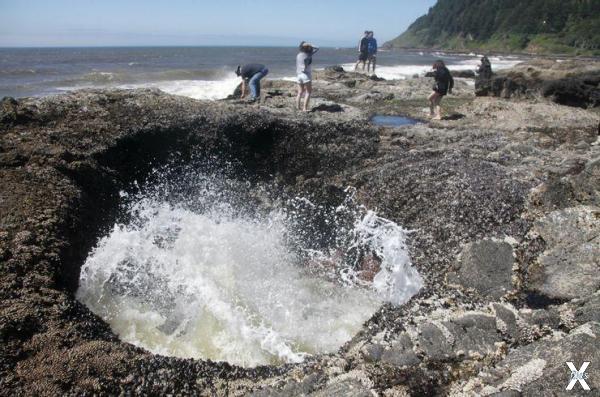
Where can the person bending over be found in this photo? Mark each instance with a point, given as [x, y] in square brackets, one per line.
[371, 52]
[304, 74]
[443, 86]
[251, 75]
[363, 51]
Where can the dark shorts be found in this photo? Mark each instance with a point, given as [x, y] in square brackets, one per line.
[441, 89]
[363, 56]
[372, 57]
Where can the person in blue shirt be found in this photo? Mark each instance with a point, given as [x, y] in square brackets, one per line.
[251, 75]
[371, 52]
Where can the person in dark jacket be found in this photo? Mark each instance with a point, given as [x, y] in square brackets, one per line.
[485, 68]
[251, 75]
[483, 83]
[443, 86]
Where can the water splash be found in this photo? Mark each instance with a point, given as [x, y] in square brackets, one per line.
[396, 280]
[203, 277]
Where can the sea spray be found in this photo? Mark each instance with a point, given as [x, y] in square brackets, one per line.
[195, 270]
[402, 72]
[197, 89]
[397, 280]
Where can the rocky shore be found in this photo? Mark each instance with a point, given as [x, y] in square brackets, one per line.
[503, 196]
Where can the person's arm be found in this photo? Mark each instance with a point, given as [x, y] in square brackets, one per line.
[375, 41]
[450, 83]
[315, 50]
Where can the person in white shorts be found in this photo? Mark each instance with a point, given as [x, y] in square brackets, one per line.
[304, 74]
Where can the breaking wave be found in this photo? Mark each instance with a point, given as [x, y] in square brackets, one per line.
[401, 72]
[198, 84]
[197, 89]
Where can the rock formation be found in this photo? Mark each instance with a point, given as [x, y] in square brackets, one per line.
[504, 202]
[571, 83]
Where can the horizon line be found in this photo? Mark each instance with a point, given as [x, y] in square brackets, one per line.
[162, 46]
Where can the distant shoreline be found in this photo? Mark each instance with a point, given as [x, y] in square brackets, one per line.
[382, 48]
[498, 53]
[164, 46]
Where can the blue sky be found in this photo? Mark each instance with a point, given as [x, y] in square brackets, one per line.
[202, 22]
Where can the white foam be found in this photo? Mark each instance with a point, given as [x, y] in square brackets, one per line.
[225, 289]
[401, 72]
[197, 89]
[228, 287]
[397, 280]
[498, 63]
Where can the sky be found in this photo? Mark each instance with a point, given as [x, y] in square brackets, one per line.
[41, 23]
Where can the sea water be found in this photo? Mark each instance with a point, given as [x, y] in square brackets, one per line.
[197, 72]
[393, 121]
[196, 271]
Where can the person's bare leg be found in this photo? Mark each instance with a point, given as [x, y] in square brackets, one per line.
[374, 64]
[299, 96]
[431, 99]
[308, 91]
[438, 108]
[356, 66]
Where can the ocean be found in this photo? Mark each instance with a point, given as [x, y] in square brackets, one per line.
[196, 72]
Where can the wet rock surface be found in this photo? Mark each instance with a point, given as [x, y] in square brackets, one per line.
[502, 201]
[566, 82]
[570, 266]
[485, 266]
[537, 367]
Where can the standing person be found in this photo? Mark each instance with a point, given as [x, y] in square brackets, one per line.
[485, 68]
[483, 83]
[443, 86]
[371, 52]
[251, 75]
[304, 73]
[363, 51]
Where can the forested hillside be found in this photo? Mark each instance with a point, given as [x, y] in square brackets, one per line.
[538, 26]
